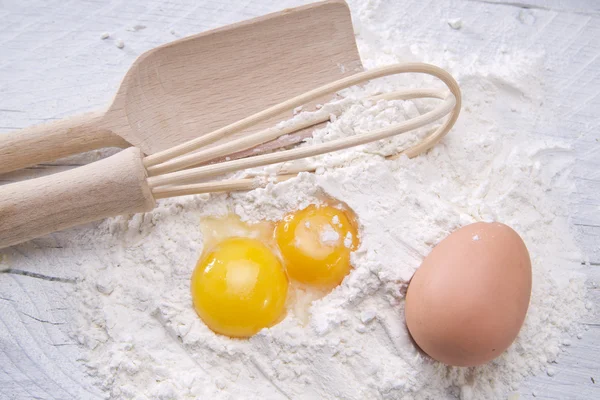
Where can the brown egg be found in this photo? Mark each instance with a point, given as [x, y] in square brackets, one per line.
[467, 302]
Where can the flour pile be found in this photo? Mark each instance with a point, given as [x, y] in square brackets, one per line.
[144, 340]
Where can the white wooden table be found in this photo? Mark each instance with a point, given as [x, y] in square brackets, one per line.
[53, 64]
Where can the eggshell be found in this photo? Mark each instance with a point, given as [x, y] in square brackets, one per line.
[467, 302]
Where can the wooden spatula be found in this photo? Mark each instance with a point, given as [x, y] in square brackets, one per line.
[182, 90]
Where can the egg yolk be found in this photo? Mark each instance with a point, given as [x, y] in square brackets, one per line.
[239, 287]
[316, 243]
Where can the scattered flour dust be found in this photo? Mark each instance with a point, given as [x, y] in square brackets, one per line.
[143, 340]
[329, 236]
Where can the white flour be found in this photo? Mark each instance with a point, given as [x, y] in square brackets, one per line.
[144, 340]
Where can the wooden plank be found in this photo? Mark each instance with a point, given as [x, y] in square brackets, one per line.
[585, 7]
[39, 39]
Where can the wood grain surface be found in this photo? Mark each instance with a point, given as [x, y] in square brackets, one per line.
[54, 64]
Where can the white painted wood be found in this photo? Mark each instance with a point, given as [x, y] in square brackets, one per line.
[584, 7]
[50, 47]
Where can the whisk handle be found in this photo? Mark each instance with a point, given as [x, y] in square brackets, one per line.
[109, 187]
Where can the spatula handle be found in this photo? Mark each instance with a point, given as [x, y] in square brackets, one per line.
[109, 187]
[55, 140]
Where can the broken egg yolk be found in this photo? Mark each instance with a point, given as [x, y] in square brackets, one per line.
[239, 287]
[316, 243]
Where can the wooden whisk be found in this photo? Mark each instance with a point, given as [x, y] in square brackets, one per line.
[127, 182]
